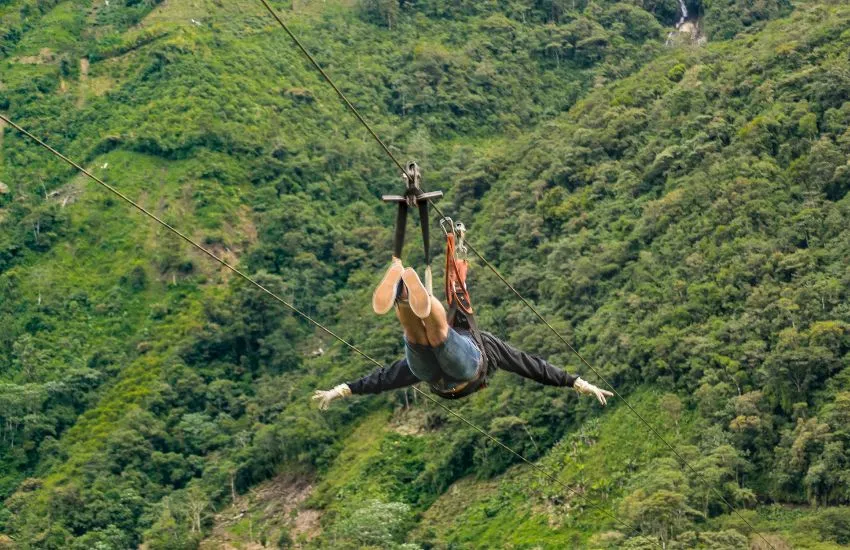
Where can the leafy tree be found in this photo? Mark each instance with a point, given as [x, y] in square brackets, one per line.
[660, 505]
[376, 524]
[384, 12]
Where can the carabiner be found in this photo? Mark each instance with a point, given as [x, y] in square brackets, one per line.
[447, 221]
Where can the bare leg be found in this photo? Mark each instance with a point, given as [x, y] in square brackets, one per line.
[436, 324]
[414, 329]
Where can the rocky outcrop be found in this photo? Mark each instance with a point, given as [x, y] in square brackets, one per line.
[688, 29]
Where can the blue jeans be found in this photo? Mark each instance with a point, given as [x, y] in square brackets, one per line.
[455, 360]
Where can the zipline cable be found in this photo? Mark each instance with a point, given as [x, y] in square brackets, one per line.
[334, 86]
[505, 281]
[328, 331]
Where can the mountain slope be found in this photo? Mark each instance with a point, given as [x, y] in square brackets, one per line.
[685, 225]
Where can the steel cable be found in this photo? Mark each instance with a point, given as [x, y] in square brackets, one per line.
[493, 269]
[350, 346]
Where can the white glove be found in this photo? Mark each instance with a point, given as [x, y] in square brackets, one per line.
[325, 397]
[586, 388]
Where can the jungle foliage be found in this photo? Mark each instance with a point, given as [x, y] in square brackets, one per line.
[680, 213]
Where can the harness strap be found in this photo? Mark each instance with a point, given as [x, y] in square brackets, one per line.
[400, 227]
[476, 335]
[426, 228]
[460, 315]
[457, 294]
[477, 383]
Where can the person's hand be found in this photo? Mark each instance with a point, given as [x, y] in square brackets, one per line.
[587, 388]
[324, 397]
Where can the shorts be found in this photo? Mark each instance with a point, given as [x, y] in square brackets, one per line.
[455, 360]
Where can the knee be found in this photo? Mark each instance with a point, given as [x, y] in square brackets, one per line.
[416, 337]
[438, 337]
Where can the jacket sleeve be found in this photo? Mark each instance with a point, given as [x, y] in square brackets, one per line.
[397, 375]
[509, 358]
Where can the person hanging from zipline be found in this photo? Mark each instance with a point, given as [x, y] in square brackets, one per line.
[442, 348]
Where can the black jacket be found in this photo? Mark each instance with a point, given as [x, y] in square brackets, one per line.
[499, 356]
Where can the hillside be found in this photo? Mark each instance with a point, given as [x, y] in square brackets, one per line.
[680, 212]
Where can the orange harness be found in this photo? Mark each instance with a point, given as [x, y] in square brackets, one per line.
[457, 293]
[460, 313]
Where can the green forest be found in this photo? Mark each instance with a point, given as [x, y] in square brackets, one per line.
[671, 193]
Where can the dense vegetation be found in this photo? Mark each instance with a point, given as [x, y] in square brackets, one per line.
[679, 212]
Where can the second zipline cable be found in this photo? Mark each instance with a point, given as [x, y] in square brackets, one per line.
[350, 346]
[386, 149]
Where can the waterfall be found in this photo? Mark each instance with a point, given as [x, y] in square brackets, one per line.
[684, 9]
[685, 27]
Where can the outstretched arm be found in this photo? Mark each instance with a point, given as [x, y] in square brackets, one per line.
[508, 358]
[397, 375]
